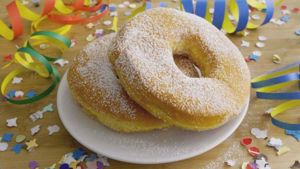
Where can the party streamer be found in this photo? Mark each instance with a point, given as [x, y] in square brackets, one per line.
[233, 20]
[54, 10]
[267, 84]
[31, 60]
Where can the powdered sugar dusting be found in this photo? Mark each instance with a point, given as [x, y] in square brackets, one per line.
[142, 55]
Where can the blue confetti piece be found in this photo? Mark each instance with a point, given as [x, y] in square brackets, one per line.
[163, 4]
[64, 166]
[7, 137]
[17, 148]
[294, 133]
[297, 32]
[11, 94]
[112, 7]
[78, 153]
[285, 18]
[30, 94]
[253, 57]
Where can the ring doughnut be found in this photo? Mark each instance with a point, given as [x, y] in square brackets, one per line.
[142, 57]
[96, 88]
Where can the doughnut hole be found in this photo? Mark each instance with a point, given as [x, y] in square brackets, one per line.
[186, 66]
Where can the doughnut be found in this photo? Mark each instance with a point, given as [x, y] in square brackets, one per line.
[142, 57]
[95, 87]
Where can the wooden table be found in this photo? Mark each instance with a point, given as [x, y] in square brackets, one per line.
[281, 41]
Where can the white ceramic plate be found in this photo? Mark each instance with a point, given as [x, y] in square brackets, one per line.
[154, 147]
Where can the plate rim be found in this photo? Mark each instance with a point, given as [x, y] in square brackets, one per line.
[169, 160]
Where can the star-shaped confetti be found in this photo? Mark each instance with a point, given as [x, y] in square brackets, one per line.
[230, 163]
[51, 167]
[31, 144]
[35, 129]
[8, 57]
[294, 133]
[3, 146]
[11, 122]
[19, 94]
[53, 129]
[260, 134]
[245, 43]
[17, 80]
[17, 148]
[275, 142]
[78, 153]
[61, 62]
[33, 165]
[7, 137]
[48, 108]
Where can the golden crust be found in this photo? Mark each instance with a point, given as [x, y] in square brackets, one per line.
[141, 55]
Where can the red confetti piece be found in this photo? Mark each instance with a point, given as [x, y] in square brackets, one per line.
[8, 57]
[247, 59]
[283, 7]
[246, 141]
[295, 10]
[253, 151]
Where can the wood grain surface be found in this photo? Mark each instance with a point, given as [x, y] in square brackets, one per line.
[281, 41]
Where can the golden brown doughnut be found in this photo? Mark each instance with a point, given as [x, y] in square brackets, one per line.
[142, 56]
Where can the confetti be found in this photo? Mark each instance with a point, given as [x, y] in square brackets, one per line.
[35, 129]
[8, 57]
[294, 133]
[260, 44]
[296, 165]
[7, 137]
[20, 138]
[230, 163]
[12, 122]
[295, 10]
[121, 6]
[260, 134]
[53, 129]
[262, 164]
[107, 22]
[61, 62]
[44, 46]
[31, 145]
[277, 21]
[253, 151]
[48, 108]
[246, 141]
[3, 146]
[276, 59]
[51, 167]
[11, 94]
[90, 25]
[67, 158]
[33, 165]
[112, 7]
[19, 94]
[31, 94]
[297, 32]
[126, 3]
[285, 12]
[17, 148]
[275, 142]
[90, 37]
[103, 159]
[282, 150]
[78, 153]
[255, 17]
[64, 166]
[262, 38]
[99, 33]
[285, 18]
[132, 6]
[127, 13]
[245, 43]
[112, 14]
[254, 57]
[17, 80]
[73, 43]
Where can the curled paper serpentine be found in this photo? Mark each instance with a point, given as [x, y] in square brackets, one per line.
[54, 10]
[233, 20]
[267, 84]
